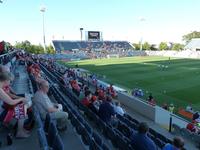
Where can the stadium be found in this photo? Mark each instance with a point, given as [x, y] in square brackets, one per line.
[94, 91]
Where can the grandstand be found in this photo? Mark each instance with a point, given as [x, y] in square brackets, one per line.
[61, 45]
[193, 45]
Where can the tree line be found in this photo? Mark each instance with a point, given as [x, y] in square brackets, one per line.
[35, 49]
[168, 46]
[39, 49]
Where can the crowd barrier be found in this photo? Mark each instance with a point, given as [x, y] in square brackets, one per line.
[137, 105]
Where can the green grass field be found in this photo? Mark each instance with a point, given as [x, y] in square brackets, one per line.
[178, 84]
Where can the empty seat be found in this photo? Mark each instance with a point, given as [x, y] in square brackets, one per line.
[186, 133]
[88, 128]
[161, 137]
[104, 147]
[86, 138]
[79, 128]
[153, 132]
[52, 133]
[196, 138]
[47, 122]
[121, 143]
[57, 143]
[176, 129]
[42, 138]
[159, 143]
[94, 146]
[97, 138]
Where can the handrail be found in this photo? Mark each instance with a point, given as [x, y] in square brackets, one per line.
[8, 53]
[176, 116]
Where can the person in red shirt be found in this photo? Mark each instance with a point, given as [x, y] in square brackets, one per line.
[101, 95]
[112, 91]
[87, 100]
[93, 98]
[191, 127]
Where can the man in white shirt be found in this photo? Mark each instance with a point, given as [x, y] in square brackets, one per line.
[118, 109]
[44, 105]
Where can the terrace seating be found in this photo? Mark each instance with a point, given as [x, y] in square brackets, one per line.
[186, 133]
[42, 139]
[104, 45]
[81, 126]
[127, 123]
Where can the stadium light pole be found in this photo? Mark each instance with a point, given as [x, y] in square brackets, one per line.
[81, 30]
[43, 9]
[141, 19]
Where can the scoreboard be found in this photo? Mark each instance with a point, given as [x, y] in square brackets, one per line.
[93, 36]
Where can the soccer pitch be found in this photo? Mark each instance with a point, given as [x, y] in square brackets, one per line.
[174, 81]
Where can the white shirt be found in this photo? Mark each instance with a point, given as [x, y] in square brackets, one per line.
[119, 110]
[42, 102]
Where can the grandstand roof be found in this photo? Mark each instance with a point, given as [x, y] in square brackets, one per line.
[194, 44]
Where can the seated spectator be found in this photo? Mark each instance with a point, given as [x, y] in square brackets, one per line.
[165, 106]
[118, 109]
[152, 102]
[140, 93]
[111, 91]
[195, 115]
[75, 87]
[189, 109]
[101, 94]
[106, 111]
[191, 127]
[178, 144]
[18, 111]
[7, 88]
[93, 98]
[44, 105]
[150, 97]
[86, 101]
[140, 140]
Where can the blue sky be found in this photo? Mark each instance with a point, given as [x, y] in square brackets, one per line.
[165, 20]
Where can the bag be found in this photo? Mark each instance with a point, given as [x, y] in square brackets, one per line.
[19, 111]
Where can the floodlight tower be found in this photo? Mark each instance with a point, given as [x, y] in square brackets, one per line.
[43, 9]
[81, 30]
[141, 19]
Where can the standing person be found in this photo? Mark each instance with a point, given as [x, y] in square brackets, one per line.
[171, 108]
[140, 140]
[44, 105]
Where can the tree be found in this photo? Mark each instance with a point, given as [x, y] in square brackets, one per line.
[35, 49]
[163, 46]
[177, 46]
[146, 46]
[187, 38]
[153, 47]
[50, 49]
[137, 46]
